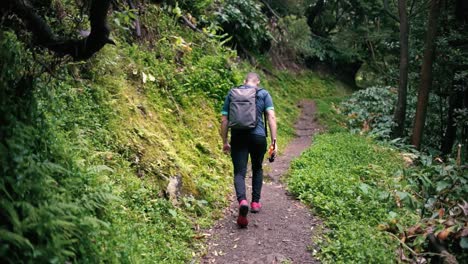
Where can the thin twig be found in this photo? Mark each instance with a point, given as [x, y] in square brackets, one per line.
[403, 244]
[190, 24]
[271, 9]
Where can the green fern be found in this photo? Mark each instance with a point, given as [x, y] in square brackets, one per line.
[15, 240]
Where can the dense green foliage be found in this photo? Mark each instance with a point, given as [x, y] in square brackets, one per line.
[351, 182]
[359, 42]
[370, 111]
[245, 24]
[437, 190]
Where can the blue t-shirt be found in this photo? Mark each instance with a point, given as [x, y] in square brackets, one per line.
[264, 103]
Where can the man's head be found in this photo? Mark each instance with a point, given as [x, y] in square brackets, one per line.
[252, 79]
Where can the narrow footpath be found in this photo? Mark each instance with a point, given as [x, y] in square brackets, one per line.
[282, 231]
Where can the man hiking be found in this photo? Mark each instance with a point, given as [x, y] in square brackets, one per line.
[243, 112]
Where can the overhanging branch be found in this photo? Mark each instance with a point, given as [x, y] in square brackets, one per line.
[78, 49]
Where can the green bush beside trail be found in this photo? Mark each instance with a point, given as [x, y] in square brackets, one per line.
[349, 180]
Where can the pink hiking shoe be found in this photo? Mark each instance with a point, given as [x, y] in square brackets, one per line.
[243, 210]
[255, 207]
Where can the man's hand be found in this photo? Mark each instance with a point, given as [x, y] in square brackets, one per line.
[274, 145]
[226, 148]
[275, 148]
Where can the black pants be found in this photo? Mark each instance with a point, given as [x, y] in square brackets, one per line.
[241, 146]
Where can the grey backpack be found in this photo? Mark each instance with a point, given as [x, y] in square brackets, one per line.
[243, 108]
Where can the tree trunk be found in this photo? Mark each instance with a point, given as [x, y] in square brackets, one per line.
[426, 75]
[400, 109]
[450, 133]
[464, 133]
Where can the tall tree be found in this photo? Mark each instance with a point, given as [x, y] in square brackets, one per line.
[458, 94]
[426, 74]
[400, 109]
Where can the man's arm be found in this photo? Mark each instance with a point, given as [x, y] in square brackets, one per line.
[224, 125]
[272, 124]
[224, 129]
[224, 133]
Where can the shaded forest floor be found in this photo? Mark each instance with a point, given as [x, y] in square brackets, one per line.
[282, 231]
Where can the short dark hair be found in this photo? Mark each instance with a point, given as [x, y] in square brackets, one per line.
[252, 76]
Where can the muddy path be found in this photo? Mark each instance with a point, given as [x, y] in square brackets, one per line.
[282, 231]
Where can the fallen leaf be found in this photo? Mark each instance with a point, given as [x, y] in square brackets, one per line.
[441, 212]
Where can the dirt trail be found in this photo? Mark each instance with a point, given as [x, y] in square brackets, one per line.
[281, 232]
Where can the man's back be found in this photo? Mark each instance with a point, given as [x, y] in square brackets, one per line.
[263, 104]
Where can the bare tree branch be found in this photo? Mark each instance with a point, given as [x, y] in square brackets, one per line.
[190, 24]
[271, 9]
[137, 20]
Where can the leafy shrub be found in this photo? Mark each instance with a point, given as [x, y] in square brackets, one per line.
[371, 111]
[350, 181]
[438, 193]
[244, 21]
[293, 37]
[45, 214]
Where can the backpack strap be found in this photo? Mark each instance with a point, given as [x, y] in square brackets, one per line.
[264, 116]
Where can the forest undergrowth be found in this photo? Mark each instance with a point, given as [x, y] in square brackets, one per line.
[382, 201]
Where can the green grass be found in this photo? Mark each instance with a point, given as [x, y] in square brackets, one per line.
[350, 181]
[288, 89]
[328, 114]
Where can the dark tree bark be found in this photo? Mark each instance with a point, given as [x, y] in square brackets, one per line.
[313, 12]
[400, 109]
[78, 49]
[426, 74]
[458, 97]
[450, 133]
[461, 12]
